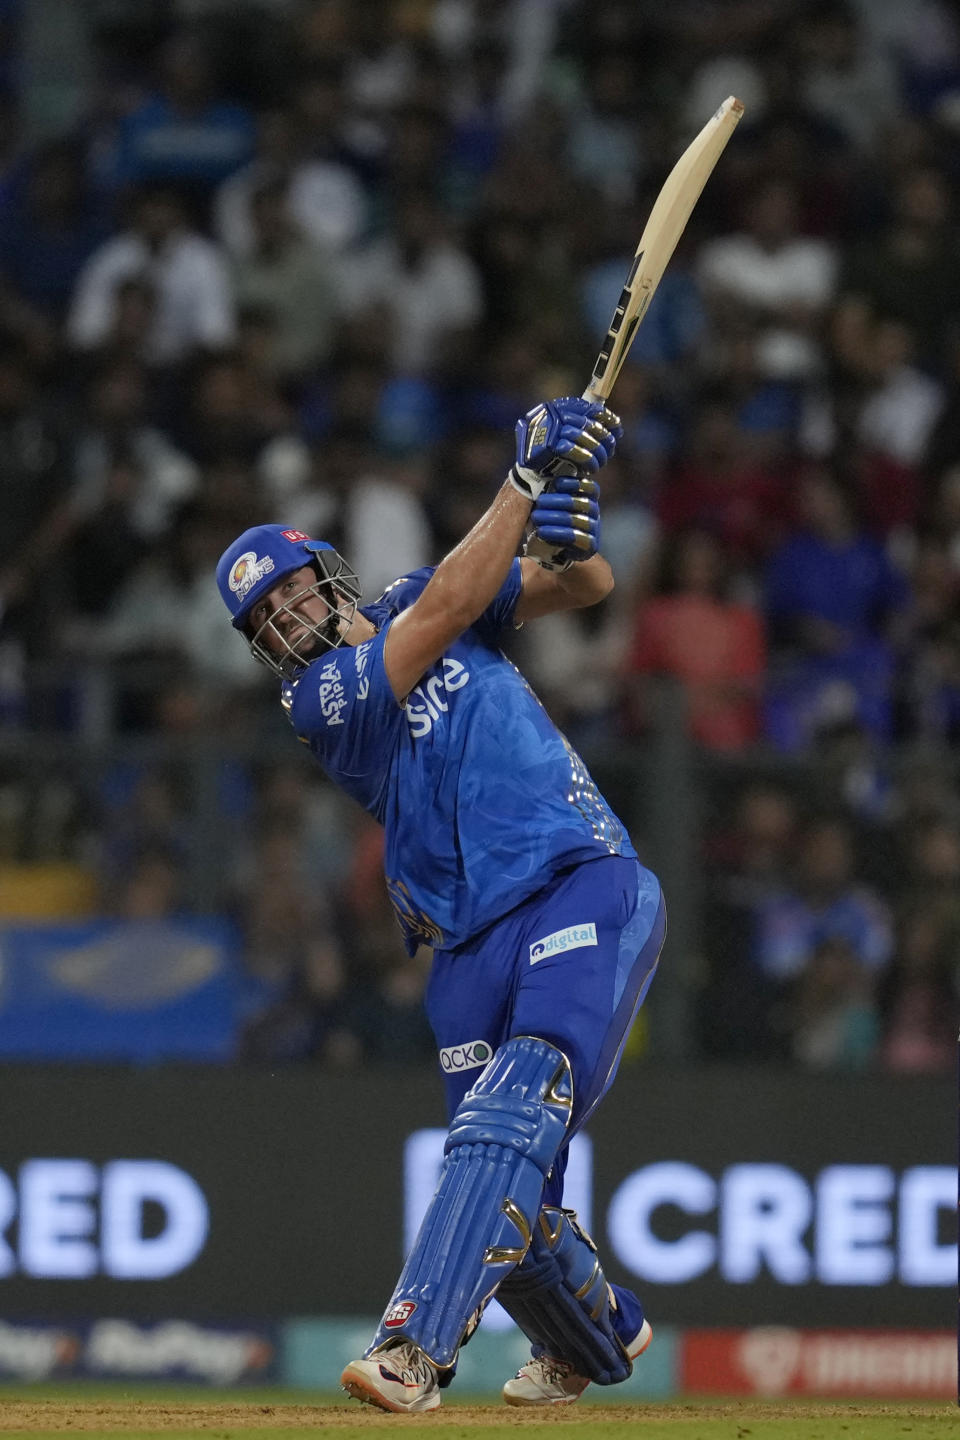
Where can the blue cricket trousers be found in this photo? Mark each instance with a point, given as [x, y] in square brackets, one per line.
[570, 965]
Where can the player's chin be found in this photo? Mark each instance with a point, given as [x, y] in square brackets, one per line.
[307, 648]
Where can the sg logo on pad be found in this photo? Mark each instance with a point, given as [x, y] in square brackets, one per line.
[399, 1314]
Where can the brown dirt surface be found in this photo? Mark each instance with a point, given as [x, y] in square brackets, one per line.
[118, 1416]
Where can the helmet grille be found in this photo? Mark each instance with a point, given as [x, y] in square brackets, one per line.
[339, 588]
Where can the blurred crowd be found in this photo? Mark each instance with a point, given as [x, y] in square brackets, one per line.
[307, 260]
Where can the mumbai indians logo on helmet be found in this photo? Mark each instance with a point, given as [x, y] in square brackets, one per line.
[247, 571]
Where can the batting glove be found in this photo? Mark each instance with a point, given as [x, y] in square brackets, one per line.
[569, 436]
[566, 520]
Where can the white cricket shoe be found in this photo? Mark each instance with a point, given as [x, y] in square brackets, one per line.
[400, 1379]
[547, 1381]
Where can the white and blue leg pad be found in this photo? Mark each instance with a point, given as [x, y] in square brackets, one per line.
[502, 1142]
[560, 1299]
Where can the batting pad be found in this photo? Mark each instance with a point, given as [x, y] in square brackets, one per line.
[560, 1299]
[502, 1142]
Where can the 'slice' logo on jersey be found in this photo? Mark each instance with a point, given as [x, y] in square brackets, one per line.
[427, 702]
[247, 571]
[573, 938]
[468, 1056]
[399, 1314]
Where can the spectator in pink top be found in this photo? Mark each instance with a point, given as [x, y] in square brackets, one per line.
[714, 646]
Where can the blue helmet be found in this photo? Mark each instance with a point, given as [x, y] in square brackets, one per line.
[256, 562]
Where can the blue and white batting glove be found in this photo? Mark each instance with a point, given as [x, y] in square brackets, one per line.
[569, 436]
[567, 519]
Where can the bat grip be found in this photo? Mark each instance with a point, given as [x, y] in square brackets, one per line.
[538, 549]
[596, 394]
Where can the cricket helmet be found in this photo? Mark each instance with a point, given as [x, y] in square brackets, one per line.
[258, 561]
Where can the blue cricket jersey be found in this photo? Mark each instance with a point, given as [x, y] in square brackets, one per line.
[482, 799]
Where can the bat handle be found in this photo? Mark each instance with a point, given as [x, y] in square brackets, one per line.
[538, 549]
[596, 394]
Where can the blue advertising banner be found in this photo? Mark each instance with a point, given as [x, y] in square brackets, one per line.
[118, 990]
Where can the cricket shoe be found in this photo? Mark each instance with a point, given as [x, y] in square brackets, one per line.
[546, 1381]
[400, 1379]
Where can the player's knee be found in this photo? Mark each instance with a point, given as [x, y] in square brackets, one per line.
[522, 1101]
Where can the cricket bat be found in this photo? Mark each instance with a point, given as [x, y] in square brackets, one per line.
[671, 211]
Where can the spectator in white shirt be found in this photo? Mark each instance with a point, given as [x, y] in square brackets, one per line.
[292, 279]
[194, 307]
[846, 75]
[385, 521]
[891, 403]
[116, 431]
[781, 279]
[298, 145]
[425, 288]
[901, 410]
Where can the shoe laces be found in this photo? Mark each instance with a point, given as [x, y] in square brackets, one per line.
[409, 1364]
[553, 1371]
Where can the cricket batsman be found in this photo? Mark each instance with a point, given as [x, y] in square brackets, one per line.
[502, 855]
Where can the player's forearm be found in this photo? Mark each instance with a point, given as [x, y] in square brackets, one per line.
[587, 583]
[466, 581]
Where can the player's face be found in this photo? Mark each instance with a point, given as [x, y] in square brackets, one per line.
[283, 619]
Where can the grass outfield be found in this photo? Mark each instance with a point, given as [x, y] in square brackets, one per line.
[164, 1414]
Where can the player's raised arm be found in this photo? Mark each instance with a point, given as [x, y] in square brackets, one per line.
[569, 433]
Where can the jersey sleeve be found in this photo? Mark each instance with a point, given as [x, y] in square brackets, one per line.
[400, 594]
[407, 590]
[345, 710]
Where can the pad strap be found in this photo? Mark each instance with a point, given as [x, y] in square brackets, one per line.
[502, 1142]
[560, 1298]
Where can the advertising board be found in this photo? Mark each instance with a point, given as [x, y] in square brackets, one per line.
[727, 1198]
